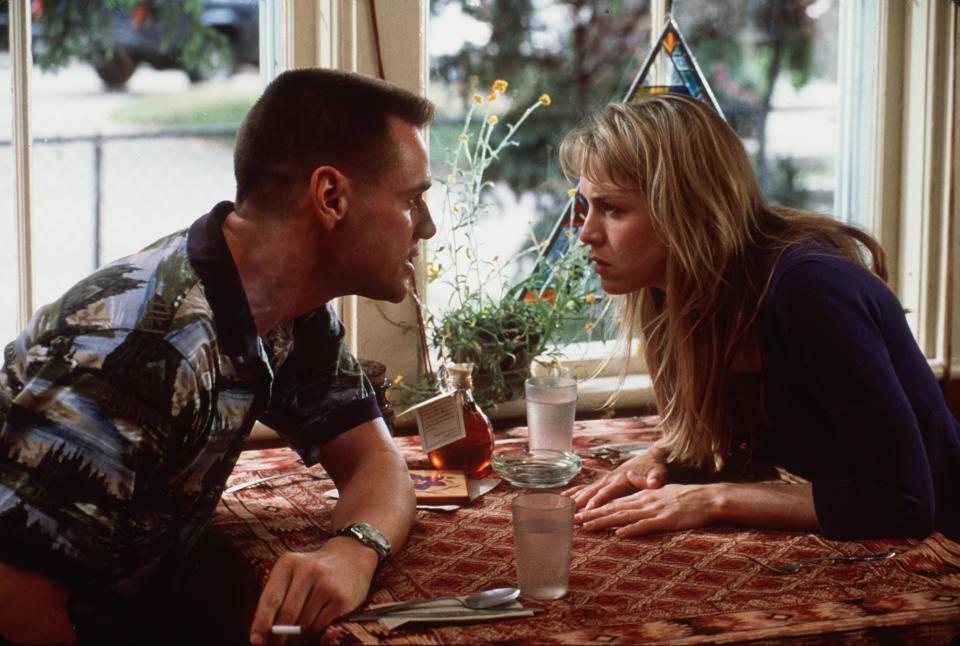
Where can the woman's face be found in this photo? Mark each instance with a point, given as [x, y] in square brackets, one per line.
[626, 251]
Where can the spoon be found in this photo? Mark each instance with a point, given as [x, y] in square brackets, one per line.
[793, 568]
[476, 601]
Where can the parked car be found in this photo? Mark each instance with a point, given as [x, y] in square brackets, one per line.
[5, 23]
[139, 37]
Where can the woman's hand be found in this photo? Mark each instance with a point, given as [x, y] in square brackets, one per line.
[645, 471]
[667, 509]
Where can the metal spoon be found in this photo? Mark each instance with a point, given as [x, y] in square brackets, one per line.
[793, 568]
[476, 601]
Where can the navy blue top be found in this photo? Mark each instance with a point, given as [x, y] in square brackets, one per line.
[851, 402]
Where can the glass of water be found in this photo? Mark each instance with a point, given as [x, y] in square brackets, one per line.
[542, 538]
[551, 409]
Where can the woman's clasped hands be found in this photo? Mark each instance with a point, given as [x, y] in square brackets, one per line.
[635, 498]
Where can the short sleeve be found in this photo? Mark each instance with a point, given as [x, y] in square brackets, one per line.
[90, 419]
[320, 390]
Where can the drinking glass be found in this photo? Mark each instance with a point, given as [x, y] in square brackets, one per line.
[551, 409]
[542, 538]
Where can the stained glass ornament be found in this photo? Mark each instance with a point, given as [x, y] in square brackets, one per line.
[670, 67]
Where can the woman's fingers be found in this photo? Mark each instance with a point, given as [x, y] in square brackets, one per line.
[652, 477]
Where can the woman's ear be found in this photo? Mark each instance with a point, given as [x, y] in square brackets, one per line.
[328, 195]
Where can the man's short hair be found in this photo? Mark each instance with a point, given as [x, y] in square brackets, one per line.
[313, 117]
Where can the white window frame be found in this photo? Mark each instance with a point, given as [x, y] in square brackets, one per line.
[913, 203]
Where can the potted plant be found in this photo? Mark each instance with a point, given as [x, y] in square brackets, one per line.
[497, 323]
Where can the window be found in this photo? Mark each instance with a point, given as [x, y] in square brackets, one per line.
[891, 115]
[130, 142]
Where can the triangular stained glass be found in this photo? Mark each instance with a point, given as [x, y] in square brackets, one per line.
[669, 67]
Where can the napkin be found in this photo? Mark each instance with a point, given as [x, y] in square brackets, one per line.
[448, 611]
[476, 488]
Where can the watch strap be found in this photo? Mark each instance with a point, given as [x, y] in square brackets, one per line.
[369, 536]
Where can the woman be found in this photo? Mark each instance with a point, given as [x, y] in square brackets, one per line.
[770, 341]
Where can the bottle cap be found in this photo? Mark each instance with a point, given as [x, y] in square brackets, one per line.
[461, 375]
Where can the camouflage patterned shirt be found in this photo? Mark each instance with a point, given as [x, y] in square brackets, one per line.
[125, 404]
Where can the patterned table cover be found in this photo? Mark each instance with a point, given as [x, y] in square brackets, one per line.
[684, 587]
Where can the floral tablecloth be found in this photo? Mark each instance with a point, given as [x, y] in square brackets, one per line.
[685, 587]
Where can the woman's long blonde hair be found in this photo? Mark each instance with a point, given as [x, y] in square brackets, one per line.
[722, 239]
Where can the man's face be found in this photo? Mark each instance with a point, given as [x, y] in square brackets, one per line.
[388, 217]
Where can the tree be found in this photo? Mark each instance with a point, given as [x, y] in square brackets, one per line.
[85, 29]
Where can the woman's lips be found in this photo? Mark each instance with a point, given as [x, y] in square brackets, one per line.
[601, 266]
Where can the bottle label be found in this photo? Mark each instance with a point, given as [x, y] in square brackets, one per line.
[440, 420]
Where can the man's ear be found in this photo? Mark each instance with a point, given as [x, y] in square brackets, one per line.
[328, 195]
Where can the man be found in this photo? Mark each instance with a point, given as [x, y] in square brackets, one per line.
[125, 404]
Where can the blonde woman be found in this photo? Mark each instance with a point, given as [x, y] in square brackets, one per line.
[771, 339]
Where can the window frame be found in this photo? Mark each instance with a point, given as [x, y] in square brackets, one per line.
[913, 172]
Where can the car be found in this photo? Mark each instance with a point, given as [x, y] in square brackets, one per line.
[5, 23]
[142, 36]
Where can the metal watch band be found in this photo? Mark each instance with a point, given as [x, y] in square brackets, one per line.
[369, 536]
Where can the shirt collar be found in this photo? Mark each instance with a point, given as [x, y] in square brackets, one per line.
[210, 256]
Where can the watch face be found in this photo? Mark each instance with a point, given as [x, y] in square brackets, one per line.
[368, 535]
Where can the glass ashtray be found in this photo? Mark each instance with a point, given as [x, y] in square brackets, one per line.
[537, 469]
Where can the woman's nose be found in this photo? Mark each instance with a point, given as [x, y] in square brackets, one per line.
[590, 233]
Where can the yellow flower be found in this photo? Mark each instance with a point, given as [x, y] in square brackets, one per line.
[477, 98]
[398, 380]
[500, 85]
[491, 97]
[568, 233]
[455, 208]
[590, 298]
[492, 119]
[588, 327]
[450, 178]
[463, 137]
[572, 192]
[544, 99]
[433, 272]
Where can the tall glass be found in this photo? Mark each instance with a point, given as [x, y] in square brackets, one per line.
[542, 537]
[551, 409]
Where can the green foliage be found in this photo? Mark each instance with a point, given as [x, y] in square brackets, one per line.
[486, 321]
[84, 29]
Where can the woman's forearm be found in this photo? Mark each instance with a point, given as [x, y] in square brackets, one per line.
[764, 504]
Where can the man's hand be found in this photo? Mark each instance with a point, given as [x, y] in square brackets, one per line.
[33, 608]
[645, 471]
[312, 589]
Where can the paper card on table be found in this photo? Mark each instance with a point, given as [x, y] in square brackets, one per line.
[439, 487]
[440, 420]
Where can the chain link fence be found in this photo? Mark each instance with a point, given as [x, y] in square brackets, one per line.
[97, 198]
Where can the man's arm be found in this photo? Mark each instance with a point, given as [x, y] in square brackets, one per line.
[33, 608]
[312, 589]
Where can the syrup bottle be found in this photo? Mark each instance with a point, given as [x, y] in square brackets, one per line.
[471, 453]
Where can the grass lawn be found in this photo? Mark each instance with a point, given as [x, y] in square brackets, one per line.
[202, 105]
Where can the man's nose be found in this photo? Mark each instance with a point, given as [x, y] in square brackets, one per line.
[426, 228]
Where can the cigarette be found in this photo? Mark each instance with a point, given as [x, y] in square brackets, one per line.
[281, 629]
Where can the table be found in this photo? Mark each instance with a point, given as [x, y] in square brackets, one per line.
[684, 587]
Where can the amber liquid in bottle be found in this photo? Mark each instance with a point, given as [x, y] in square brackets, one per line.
[471, 453]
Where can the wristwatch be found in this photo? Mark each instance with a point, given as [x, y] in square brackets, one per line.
[369, 536]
